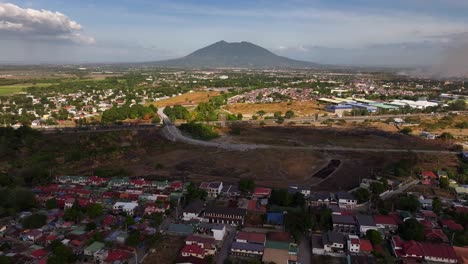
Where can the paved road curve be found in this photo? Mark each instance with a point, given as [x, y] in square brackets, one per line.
[171, 132]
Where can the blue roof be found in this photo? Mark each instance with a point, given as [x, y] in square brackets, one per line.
[275, 218]
[247, 246]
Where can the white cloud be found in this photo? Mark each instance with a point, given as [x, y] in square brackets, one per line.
[43, 24]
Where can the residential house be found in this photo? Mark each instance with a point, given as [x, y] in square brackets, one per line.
[386, 223]
[92, 249]
[193, 210]
[225, 215]
[208, 244]
[275, 218]
[230, 190]
[292, 189]
[344, 224]
[365, 223]
[151, 208]
[428, 177]
[217, 231]
[212, 188]
[322, 199]
[346, 200]
[429, 252]
[250, 237]
[128, 208]
[261, 192]
[333, 242]
[193, 250]
[250, 250]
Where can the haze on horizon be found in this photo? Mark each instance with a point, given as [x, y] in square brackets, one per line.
[354, 32]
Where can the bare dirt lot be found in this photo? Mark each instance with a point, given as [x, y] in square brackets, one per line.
[192, 98]
[147, 154]
[305, 108]
[167, 251]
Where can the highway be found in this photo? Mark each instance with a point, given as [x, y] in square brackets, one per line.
[172, 133]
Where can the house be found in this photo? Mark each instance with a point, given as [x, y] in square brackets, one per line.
[261, 192]
[128, 208]
[346, 200]
[279, 252]
[251, 237]
[354, 245]
[435, 235]
[193, 210]
[212, 188]
[429, 252]
[250, 250]
[333, 242]
[365, 246]
[322, 198]
[180, 229]
[257, 205]
[225, 215]
[193, 250]
[230, 190]
[33, 235]
[208, 244]
[117, 256]
[442, 174]
[293, 189]
[151, 208]
[93, 248]
[386, 223]
[365, 223]
[217, 231]
[428, 175]
[451, 225]
[344, 224]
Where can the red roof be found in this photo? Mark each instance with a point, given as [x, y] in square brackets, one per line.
[365, 245]
[251, 237]
[260, 191]
[461, 209]
[420, 249]
[39, 253]
[176, 185]
[452, 225]
[193, 249]
[385, 220]
[255, 205]
[435, 234]
[355, 241]
[438, 250]
[108, 220]
[428, 174]
[117, 255]
[206, 241]
[412, 248]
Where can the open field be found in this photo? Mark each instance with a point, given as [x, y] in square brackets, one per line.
[362, 137]
[167, 251]
[305, 108]
[146, 153]
[16, 88]
[192, 98]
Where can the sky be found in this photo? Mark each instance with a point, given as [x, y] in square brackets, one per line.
[347, 32]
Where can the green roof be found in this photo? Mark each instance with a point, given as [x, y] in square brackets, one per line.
[277, 245]
[95, 247]
[293, 248]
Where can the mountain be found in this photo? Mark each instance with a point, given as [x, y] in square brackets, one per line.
[234, 55]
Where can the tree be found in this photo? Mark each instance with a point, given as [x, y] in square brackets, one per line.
[5, 260]
[278, 114]
[61, 253]
[261, 113]
[298, 200]
[240, 116]
[362, 195]
[408, 203]
[246, 185]
[129, 221]
[406, 131]
[73, 214]
[297, 223]
[377, 188]
[411, 229]
[34, 221]
[444, 183]
[436, 205]
[280, 120]
[94, 210]
[157, 219]
[133, 239]
[374, 237]
[51, 203]
[193, 193]
[91, 226]
[446, 136]
[289, 114]
[280, 197]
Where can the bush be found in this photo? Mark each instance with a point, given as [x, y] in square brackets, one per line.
[406, 131]
[34, 221]
[199, 131]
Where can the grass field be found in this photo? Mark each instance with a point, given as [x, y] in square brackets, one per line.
[192, 98]
[307, 108]
[16, 88]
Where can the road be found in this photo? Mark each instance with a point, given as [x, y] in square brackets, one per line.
[305, 250]
[224, 251]
[171, 132]
[400, 190]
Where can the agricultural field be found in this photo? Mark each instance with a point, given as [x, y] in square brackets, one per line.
[192, 98]
[16, 88]
[304, 108]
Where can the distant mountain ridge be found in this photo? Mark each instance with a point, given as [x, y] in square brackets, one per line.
[234, 55]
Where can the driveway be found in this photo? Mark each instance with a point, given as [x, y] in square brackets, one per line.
[225, 249]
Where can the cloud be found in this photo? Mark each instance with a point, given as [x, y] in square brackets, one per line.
[40, 24]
